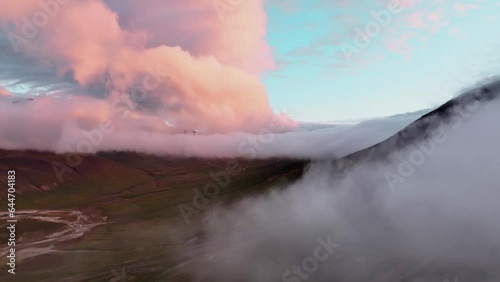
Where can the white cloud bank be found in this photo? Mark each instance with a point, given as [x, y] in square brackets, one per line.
[68, 125]
[442, 217]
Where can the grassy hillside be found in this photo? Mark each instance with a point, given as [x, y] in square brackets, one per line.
[119, 212]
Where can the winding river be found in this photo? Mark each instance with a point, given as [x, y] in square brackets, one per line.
[75, 223]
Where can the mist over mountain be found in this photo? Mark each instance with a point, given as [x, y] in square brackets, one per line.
[420, 206]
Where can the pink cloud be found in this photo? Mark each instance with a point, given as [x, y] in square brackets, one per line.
[14, 10]
[237, 39]
[209, 82]
[4, 92]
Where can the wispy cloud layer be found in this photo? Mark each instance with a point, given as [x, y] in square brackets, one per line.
[84, 124]
[440, 221]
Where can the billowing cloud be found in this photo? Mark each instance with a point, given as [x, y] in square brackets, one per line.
[207, 82]
[155, 78]
[233, 33]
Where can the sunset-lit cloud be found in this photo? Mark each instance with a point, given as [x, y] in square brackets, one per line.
[188, 66]
[4, 92]
[208, 82]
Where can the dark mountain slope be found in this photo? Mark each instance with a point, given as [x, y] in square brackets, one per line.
[119, 209]
[422, 128]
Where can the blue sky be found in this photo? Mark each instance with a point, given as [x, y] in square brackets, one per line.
[423, 57]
